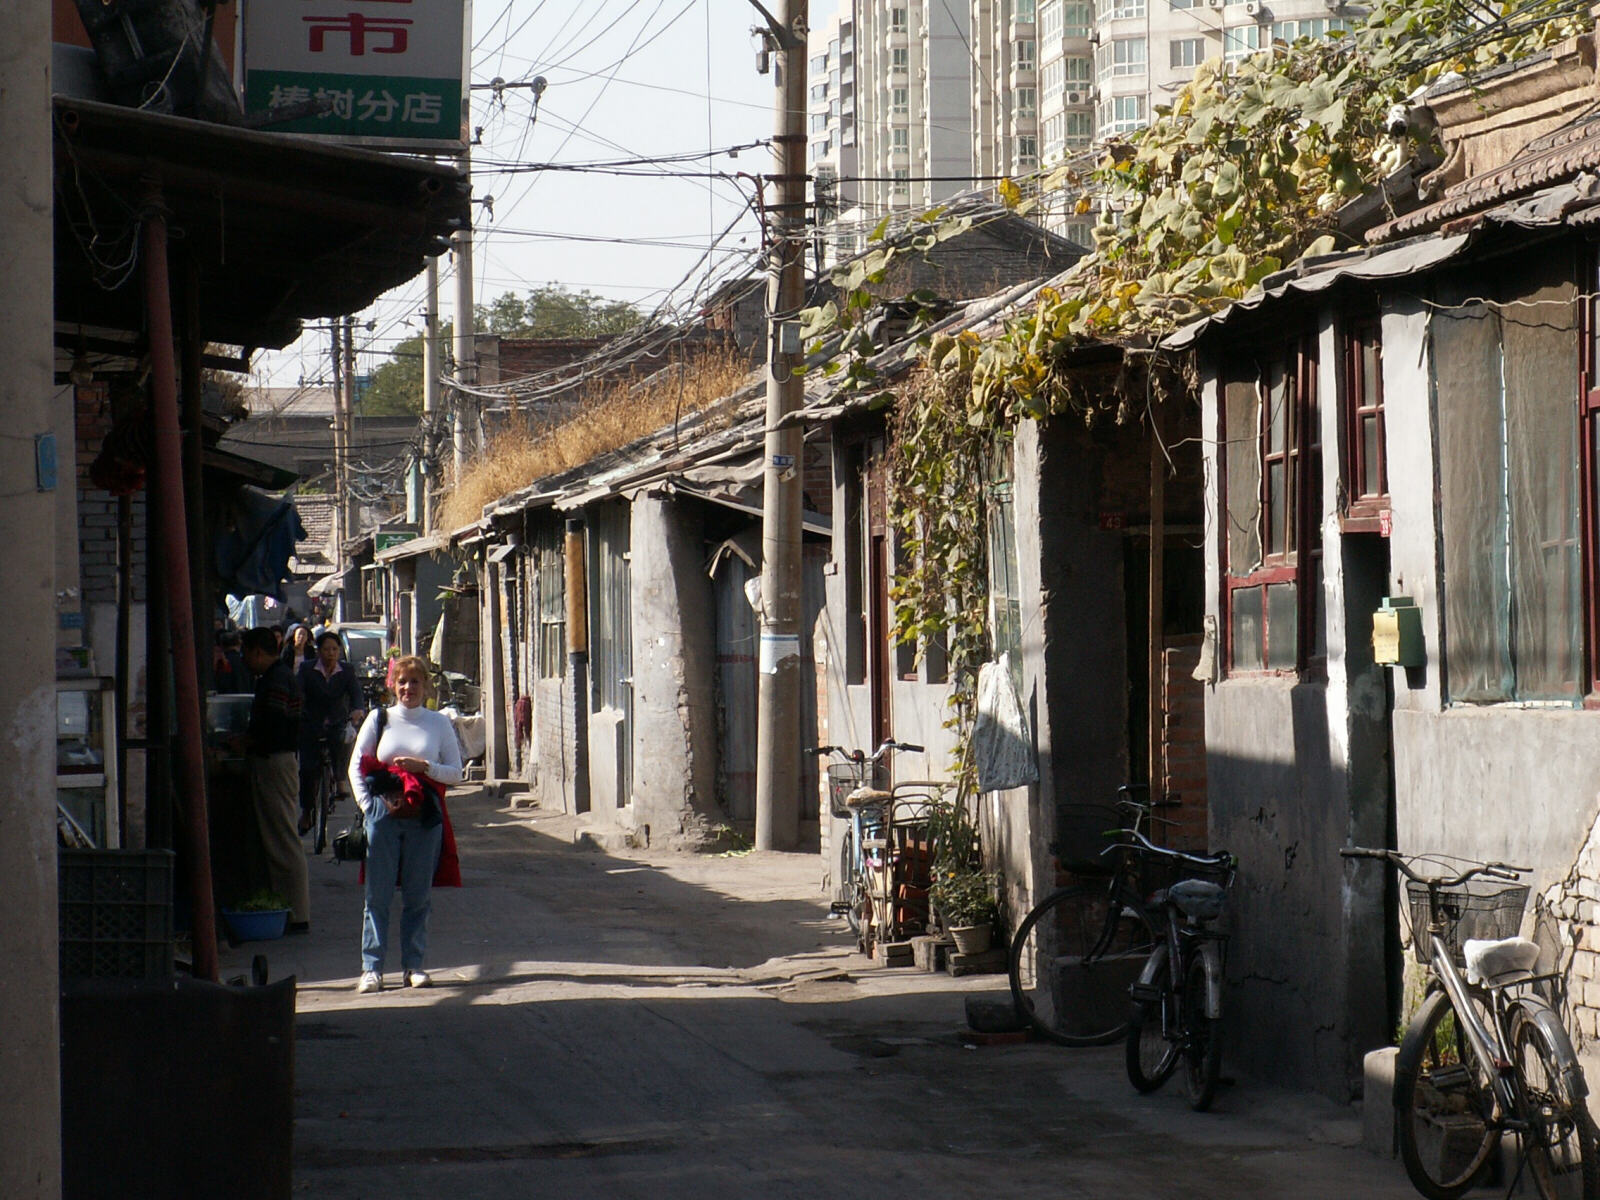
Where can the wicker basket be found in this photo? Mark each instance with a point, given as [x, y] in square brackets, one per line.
[1482, 909]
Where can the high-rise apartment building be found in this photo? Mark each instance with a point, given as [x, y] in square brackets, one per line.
[831, 143]
[946, 91]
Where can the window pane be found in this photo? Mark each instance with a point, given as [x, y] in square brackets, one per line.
[1278, 414]
[1277, 508]
[1368, 484]
[1243, 463]
[1283, 626]
[1247, 629]
[1541, 370]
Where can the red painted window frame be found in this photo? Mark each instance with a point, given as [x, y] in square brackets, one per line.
[1302, 455]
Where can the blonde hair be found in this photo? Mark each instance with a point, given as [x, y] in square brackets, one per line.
[411, 664]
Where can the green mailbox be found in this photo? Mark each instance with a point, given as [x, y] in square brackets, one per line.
[1397, 633]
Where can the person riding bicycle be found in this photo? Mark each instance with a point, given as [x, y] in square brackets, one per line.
[331, 702]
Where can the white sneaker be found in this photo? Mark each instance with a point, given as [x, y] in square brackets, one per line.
[417, 979]
[371, 981]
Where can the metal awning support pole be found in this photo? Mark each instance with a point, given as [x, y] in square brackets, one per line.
[172, 528]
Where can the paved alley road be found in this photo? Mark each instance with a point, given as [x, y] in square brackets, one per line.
[658, 1026]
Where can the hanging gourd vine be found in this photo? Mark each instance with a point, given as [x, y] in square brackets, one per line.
[1239, 176]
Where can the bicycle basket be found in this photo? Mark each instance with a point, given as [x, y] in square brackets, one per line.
[1481, 909]
[844, 778]
[1083, 831]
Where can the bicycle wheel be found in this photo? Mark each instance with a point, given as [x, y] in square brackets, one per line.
[1072, 961]
[1152, 1049]
[324, 803]
[849, 875]
[1443, 1103]
[1560, 1142]
[1202, 1038]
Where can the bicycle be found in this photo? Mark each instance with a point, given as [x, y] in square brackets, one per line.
[878, 838]
[1077, 951]
[1485, 1054]
[326, 793]
[1177, 1000]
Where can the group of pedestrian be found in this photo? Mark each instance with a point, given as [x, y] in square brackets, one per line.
[404, 756]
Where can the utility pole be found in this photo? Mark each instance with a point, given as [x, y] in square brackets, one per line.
[778, 698]
[347, 406]
[339, 455]
[466, 348]
[430, 393]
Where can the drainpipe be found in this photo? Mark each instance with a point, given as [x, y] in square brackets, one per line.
[173, 531]
[578, 663]
[1158, 618]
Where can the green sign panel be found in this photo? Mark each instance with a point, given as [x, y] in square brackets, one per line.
[363, 106]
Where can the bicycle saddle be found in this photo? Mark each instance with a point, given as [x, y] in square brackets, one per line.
[1197, 899]
[863, 796]
[1497, 961]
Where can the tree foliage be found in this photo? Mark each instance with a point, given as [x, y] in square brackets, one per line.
[551, 312]
[1239, 176]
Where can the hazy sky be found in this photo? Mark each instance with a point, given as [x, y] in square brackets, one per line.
[627, 79]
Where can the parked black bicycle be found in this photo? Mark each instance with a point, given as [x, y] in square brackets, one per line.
[1077, 952]
[1177, 1000]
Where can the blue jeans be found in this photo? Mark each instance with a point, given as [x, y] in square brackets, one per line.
[399, 851]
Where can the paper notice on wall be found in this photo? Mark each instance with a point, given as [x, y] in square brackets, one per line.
[776, 649]
[1001, 743]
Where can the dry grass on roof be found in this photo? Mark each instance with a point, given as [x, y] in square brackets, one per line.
[610, 414]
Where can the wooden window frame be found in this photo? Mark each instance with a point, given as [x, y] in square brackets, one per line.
[1296, 557]
[1361, 399]
[1589, 476]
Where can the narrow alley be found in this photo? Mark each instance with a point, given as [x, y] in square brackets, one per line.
[641, 1023]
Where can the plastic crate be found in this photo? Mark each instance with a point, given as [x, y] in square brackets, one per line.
[116, 913]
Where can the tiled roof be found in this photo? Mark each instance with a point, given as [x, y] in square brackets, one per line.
[316, 514]
[1553, 158]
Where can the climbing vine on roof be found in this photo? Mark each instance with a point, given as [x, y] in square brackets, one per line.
[1241, 174]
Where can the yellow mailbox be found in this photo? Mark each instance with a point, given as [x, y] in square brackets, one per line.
[1397, 633]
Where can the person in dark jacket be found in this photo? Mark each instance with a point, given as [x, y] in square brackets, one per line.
[270, 743]
[332, 697]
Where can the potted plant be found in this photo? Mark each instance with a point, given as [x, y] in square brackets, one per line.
[964, 898]
[260, 917]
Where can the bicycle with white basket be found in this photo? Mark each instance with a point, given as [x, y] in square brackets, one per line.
[1485, 1054]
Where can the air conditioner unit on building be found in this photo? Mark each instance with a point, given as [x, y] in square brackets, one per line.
[1094, 94]
[1094, 37]
[1252, 8]
[1214, 3]
[1074, 97]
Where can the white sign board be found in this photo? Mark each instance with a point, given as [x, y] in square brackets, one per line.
[392, 72]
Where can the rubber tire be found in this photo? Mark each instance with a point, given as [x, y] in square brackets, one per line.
[1079, 913]
[324, 804]
[1420, 1055]
[845, 889]
[1202, 1038]
[1527, 1037]
[1146, 1021]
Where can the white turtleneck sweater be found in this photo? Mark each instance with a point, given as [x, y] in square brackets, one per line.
[411, 732]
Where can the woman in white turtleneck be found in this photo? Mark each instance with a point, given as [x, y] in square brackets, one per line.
[402, 850]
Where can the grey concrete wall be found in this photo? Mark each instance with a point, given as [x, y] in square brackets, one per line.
[1291, 778]
[674, 675]
[30, 1101]
[556, 709]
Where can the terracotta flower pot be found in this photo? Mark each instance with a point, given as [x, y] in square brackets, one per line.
[972, 939]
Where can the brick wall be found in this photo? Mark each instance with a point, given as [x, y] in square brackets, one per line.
[97, 509]
[1183, 743]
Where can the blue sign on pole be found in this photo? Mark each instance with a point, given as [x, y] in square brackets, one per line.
[44, 461]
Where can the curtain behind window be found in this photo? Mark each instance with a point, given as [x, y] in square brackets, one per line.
[1505, 382]
[1541, 366]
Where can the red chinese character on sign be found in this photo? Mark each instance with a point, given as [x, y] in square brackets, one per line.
[358, 27]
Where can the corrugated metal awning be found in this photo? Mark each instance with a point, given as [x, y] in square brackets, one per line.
[1394, 263]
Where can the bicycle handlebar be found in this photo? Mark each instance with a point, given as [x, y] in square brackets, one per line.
[1221, 859]
[1495, 870]
[857, 756]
